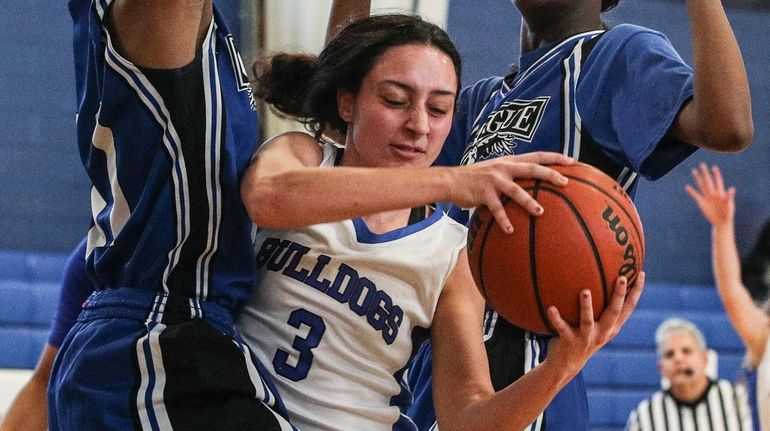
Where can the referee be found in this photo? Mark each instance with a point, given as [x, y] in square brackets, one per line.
[693, 402]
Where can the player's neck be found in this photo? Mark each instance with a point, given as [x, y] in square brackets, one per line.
[387, 221]
[535, 33]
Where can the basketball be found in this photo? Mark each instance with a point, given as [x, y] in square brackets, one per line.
[588, 235]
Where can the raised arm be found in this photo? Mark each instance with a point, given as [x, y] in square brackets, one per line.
[343, 13]
[462, 386]
[718, 207]
[719, 115]
[160, 34]
[285, 187]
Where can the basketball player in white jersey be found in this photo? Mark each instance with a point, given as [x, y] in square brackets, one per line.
[353, 265]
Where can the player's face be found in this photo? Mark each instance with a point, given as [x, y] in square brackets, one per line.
[682, 361]
[527, 7]
[551, 11]
[403, 111]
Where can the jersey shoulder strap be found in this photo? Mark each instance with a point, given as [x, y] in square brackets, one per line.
[591, 152]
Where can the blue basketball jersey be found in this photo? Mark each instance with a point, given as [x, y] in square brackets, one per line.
[606, 98]
[169, 249]
[165, 151]
[617, 91]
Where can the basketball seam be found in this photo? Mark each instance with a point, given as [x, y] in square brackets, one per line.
[480, 265]
[589, 236]
[614, 199]
[533, 263]
[629, 217]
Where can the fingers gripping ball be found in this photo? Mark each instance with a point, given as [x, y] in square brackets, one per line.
[588, 235]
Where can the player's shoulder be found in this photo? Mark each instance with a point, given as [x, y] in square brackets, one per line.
[481, 89]
[292, 140]
[459, 232]
[456, 234]
[300, 145]
[485, 83]
[630, 42]
[624, 34]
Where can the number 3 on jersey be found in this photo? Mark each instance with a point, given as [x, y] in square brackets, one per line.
[303, 346]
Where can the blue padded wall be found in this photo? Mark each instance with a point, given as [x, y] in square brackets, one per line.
[29, 286]
[43, 192]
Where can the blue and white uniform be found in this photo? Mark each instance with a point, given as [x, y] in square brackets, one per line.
[75, 289]
[607, 98]
[169, 250]
[337, 310]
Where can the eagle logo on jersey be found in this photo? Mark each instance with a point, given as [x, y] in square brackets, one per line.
[241, 76]
[517, 119]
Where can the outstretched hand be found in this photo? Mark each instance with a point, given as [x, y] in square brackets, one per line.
[575, 345]
[485, 183]
[716, 203]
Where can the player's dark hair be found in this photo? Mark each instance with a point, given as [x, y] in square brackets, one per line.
[305, 87]
[609, 4]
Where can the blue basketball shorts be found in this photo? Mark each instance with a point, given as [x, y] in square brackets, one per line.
[137, 359]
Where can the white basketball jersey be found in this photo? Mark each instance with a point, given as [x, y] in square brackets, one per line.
[334, 311]
[763, 390]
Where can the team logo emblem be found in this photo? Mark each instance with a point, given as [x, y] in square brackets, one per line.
[514, 120]
[241, 76]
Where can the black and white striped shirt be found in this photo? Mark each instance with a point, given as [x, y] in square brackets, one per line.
[723, 407]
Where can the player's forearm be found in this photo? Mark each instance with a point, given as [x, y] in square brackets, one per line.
[738, 304]
[721, 99]
[343, 13]
[308, 196]
[725, 260]
[515, 407]
[29, 411]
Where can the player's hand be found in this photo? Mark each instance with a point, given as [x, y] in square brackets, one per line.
[716, 203]
[575, 346]
[488, 182]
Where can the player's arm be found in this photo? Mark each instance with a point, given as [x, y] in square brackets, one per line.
[343, 13]
[28, 411]
[719, 115]
[718, 206]
[463, 394]
[160, 34]
[285, 187]
[462, 387]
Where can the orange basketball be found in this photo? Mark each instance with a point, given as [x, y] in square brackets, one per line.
[588, 235]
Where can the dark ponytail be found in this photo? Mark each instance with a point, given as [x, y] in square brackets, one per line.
[305, 87]
[282, 81]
